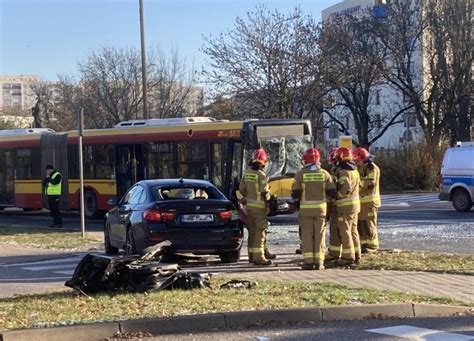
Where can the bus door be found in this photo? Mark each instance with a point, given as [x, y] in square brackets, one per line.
[129, 166]
[7, 178]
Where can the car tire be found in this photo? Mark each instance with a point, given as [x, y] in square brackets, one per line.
[109, 249]
[130, 246]
[461, 200]
[230, 257]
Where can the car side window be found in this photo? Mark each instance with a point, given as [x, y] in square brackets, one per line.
[143, 197]
[136, 194]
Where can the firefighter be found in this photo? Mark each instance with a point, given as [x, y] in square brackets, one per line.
[369, 200]
[348, 206]
[335, 244]
[256, 194]
[311, 187]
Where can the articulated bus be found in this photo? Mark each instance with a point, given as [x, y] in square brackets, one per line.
[116, 158]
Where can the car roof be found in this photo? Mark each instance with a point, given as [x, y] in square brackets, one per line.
[176, 182]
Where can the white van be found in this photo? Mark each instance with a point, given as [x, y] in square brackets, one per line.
[457, 176]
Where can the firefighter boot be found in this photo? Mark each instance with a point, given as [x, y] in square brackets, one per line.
[269, 255]
[263, 262]
[306, 266]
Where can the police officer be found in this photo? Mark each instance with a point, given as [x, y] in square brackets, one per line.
[311, 187]
[256, 194]
[348, 206]
[335, 244]
[369, 199]
[52, 185]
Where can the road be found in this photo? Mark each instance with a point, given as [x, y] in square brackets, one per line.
[407, 222]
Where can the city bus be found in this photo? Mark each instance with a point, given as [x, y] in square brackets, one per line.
[116, 158]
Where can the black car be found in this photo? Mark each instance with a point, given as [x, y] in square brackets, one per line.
[193, 214]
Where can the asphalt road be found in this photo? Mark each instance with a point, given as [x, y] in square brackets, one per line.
[407, 222]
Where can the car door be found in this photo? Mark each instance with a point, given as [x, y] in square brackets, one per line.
[120, 218]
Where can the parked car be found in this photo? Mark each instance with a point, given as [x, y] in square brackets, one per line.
[193, 214]
[457, 176]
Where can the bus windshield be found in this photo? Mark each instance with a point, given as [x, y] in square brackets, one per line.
[285, 154]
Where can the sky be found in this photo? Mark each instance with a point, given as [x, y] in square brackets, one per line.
[49, 37]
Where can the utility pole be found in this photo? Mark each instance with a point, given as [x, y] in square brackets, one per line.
[144, 81]
[80, 119]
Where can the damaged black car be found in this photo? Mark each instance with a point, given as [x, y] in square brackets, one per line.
[193, 214]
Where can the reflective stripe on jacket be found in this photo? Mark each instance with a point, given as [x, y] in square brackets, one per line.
[370, 184]
[52, 189]
[254, 188]
[348, 182]
[312, 183]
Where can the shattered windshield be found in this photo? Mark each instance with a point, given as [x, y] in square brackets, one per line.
[284, 153]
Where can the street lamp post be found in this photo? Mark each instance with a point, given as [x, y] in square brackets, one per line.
[144, 81]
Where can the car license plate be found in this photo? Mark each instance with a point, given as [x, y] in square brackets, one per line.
[198, 218]
[284, 206]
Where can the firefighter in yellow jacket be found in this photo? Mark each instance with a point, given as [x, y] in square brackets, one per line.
[348, 206]
[369, 200]
[256, 194]
[335, 244]
[311, 187]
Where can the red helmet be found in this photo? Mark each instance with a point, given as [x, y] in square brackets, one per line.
[331, 157]
[343, 154]
[360, 154]
[311, 156]
[260, 155]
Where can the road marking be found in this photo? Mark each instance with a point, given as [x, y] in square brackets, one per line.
[49, 267]
[416, 333]
[51, 261]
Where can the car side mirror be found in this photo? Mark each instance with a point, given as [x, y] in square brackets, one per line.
[113, 201]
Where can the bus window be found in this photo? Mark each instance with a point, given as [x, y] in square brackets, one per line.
[275, 147]
[26, 161]
[7, 195]
[219, 158]
[160, 160]
[296, 146]
[192, 159]
[98, 161]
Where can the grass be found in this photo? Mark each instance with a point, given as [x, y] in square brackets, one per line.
[46, 238]
[419, 261]
[71, 308]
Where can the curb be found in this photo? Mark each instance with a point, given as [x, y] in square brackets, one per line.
[191, 323]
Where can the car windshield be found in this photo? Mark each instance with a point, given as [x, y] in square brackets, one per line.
[186, 192]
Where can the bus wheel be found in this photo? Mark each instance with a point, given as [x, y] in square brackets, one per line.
[90, 204]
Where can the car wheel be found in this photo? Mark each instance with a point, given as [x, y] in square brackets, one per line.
[90, 205]
[109, 249]
[461, 200]
[130, 247]
[230, 257]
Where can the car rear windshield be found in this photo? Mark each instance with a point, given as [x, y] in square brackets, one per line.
[188, 192]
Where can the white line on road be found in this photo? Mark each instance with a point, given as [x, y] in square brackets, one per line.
[49, 267]
[416, 333]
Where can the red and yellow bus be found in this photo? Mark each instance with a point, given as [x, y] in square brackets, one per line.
[116, 158]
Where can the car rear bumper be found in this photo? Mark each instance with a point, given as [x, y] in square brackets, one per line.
[200, 241]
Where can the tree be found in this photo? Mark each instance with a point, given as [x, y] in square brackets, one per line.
[430, 61]
[354, 62]
[268, 64]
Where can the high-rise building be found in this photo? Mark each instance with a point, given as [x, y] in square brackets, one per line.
[16, 96]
